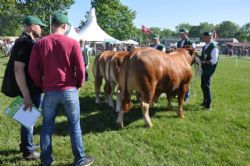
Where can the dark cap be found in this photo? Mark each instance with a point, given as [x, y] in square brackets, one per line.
[207, 34]
[183, 31]
[60, 18]
[29, 20]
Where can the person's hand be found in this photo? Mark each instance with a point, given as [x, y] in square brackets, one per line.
[27, 102]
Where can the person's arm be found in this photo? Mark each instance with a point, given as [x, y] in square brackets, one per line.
[79, 66]
[214, 56]
[34, 67]
[22, 84]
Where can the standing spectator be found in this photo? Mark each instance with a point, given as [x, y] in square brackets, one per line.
[209, 59]
[57, 66]
[86, 55]
[19, 82]
[185, 42]
[157, 45]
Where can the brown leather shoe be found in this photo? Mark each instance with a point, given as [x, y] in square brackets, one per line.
[32, 156]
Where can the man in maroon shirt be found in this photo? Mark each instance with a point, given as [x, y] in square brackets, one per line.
[56, 65]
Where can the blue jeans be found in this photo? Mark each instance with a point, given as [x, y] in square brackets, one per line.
[26, 145]
[70, 100]
[187, 95]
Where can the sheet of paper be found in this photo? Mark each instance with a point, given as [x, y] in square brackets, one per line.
[27, 118]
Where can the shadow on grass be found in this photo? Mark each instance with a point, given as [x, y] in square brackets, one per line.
[96, 118]
[9, 156]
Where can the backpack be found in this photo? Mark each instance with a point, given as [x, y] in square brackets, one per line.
[9, 84]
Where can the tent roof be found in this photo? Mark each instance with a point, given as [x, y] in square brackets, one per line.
[92, 32]
[73, 34]
[130, 42]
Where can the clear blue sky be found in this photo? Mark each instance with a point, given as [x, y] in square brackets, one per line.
[170, 13]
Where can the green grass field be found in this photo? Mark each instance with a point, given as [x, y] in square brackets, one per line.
[219, 137]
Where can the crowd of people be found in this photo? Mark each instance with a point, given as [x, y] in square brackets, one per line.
[58, 66]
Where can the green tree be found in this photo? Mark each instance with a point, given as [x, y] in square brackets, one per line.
[166, 33]
[186, 26]
[155, 30]
[115, 19]
[227, 29]
[245, 33]
[18, 9]
[206, 27]
[197, 31]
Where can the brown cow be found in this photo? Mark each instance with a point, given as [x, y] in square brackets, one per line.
[99, 73]
[151, 72]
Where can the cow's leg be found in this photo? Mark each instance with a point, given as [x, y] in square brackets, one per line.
[106, 92]
[119, 120]
[98, 83]
[145, 111]
[147, 97]
[156, 97]
[118, 101]
[111, 102]
[169, 97]
[181, 96]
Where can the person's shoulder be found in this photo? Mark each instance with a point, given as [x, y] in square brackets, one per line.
[42, 40]
[22, 39]
[70, 40]
[214, 45]
[189, 40]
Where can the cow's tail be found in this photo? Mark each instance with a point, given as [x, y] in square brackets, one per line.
[126, 102]
[95, 68]
[107, 86]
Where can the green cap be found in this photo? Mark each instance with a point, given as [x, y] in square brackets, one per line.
[155, 36]
[183, 30]
[59, 18]
[29, 20]
[207, 34]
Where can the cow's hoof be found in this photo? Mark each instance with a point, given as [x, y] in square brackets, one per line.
[120, 125]
[182, 116]
[149, 125]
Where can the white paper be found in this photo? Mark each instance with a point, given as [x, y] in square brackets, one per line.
[27, 118]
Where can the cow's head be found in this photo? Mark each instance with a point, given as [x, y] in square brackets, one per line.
[197, 62]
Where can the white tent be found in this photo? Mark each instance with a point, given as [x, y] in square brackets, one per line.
[92, 32]
[130, 42]
[73, 34]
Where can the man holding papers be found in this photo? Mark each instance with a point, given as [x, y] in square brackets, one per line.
[20, 80]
